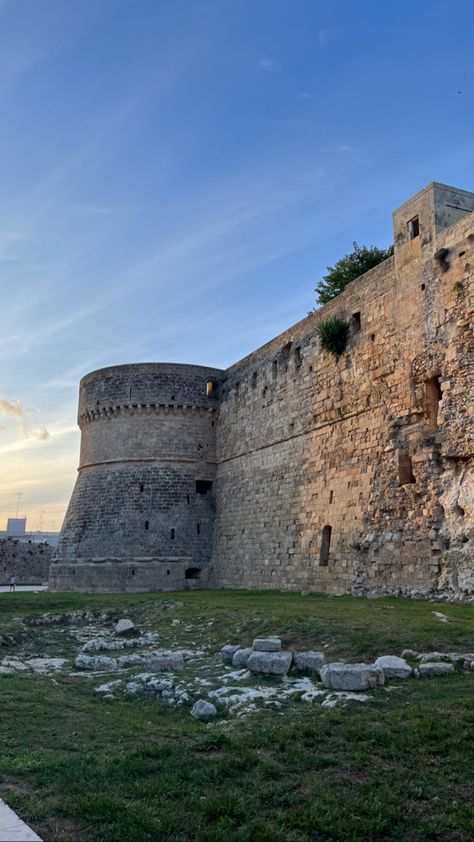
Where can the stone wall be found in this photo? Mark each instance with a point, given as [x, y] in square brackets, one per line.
[377, 445]
[294, 468]
[27, 561]
[145, 485]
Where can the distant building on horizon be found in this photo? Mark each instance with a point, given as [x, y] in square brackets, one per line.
[16, 529]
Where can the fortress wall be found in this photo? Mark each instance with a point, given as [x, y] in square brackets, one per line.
[296, 469]
[137, 496]
[27, 561]
[306, 441]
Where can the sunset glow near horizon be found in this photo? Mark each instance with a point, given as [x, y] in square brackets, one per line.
[177, 176]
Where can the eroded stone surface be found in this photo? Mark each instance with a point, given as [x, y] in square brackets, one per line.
[125, 627]
[240, 658]
[270, 663]
[203, 710]
[312, 661]
[393, 667]
[352, 677]
[435, 668]
[228, 651]
[266, 644]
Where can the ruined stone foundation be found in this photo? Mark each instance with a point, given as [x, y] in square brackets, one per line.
[295, 468]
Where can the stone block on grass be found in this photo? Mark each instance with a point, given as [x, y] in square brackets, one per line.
[435, 668]
[311, 661]
[203, 710]
[352, 677]
[240, 658]
[266, 644]
[270, 663]
[393, 667]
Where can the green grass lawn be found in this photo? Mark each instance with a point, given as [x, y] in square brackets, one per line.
[81, 767]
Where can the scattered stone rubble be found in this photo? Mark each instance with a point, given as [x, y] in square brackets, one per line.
[240, 680]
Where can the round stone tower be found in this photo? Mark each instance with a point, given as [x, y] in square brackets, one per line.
[141, 513]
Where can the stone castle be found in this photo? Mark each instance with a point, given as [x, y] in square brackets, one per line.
[296, 469]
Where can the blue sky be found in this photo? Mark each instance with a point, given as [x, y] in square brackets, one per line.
[176, 176]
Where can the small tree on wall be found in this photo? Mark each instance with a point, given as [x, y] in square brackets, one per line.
[348, 268]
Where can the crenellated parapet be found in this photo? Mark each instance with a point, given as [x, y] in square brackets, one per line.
[145, 409]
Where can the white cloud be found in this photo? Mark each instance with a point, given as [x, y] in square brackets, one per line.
[14, 409]
[40, 434]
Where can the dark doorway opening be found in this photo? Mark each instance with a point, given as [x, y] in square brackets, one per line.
[192, 573]
[203, 486]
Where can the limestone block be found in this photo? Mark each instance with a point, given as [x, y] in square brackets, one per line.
[203, 710]
[435, 668]
[160, 662]
[270, 663]
[228, 651]
[241, 657]
[266, 644]
[124, 627]
[393, 667]
[95, 662]
[355, 677]
[312, 661]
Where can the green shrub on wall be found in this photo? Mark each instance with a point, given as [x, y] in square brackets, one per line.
[333, 334]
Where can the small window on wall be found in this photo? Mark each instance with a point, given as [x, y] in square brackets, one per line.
[413, 226]
[405, 468]
[325, 546]
[172, 534]
[355, 322]
[433, 396]
[211, 388]
[147, 524]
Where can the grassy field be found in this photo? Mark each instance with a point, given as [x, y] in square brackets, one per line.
[78, 766]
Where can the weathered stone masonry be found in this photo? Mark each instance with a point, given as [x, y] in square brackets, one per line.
[331, 474]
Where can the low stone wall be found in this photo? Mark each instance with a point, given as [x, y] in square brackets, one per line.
[28, 562]
[118, 576]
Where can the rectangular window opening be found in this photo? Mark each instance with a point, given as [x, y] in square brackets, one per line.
[325, 546]
[355, 322]
[198, 528]
[203, 486]
[413, 226]
[274, 369]
[211, 388]
[254, 380]
[147, 524]
[172, 534]
[405, 468]
[141, 488]
[433, 395]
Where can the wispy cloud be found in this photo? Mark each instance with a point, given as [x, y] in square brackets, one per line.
[271, 65]
[14, 409]
[324, 36]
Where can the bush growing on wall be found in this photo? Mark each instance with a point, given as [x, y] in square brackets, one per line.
[333, 335]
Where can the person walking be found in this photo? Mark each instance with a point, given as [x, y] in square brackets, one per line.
[12, 583]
